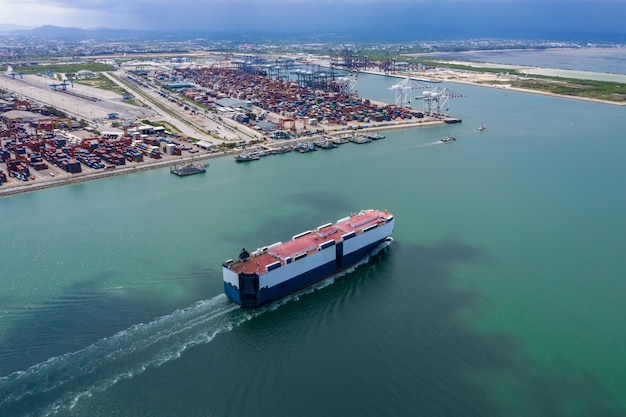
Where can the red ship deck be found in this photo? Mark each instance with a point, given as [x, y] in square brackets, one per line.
[305, 242]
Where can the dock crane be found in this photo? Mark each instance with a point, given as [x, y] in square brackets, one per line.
[403, 91]
[436, 101]
[347, 84]
[60, 86]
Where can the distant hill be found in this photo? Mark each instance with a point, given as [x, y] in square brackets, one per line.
[64, 33]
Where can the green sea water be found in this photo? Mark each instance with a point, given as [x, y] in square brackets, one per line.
[501, 295]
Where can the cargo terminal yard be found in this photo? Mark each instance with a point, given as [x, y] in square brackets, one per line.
[185, 113]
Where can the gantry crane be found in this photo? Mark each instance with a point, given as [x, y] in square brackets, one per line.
[403, 91]
[436, 101]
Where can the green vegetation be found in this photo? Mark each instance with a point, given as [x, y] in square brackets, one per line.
[64, 68]
[164, 124]
[163, 108]
[600, 90]
[470, 68]
[101, 81]
[593, 89]
[56, 112]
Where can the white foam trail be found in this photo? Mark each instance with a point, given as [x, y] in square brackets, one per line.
[59, 383]
[63, 380]
[423, 145]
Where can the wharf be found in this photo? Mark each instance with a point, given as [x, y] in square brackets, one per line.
[337, 116]
[14, 187]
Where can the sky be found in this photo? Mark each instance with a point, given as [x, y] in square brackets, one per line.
[416, 19]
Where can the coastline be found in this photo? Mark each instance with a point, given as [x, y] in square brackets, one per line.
[14, 188]
[488, 79]
[441, 75]
[19, 188]
[508, 87]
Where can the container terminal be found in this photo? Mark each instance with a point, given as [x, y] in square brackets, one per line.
[308, 106]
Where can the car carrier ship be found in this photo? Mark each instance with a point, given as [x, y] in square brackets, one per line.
[274, 271]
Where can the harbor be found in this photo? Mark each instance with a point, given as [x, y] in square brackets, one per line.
[40, 150]
[113, 289]
[457, 252]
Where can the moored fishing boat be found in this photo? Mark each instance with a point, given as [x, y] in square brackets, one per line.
[246, 157]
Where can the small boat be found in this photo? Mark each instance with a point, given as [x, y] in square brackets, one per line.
[246, 157]
[307, 147]
[481, 127]
[282, 149]
[325, 144]
[339, 140]
[185, 170]
[375, 136]
[448, 139]
[360, 139]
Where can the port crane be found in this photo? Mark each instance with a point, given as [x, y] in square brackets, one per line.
[347, 84]
[61, 86]
[403, 91]
[436, 100]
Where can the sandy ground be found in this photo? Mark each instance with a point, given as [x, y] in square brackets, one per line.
[491, 80]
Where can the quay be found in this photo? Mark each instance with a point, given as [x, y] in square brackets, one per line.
[301, 113]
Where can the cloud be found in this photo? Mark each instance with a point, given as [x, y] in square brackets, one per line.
[426, 19]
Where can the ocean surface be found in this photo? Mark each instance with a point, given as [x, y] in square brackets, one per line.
[602, 60]
[502, 294]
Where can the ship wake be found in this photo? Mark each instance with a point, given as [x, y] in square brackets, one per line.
[56, 385]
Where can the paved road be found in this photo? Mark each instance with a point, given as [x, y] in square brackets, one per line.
[37, 88]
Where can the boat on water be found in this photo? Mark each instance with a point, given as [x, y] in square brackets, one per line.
[282, 268]
[246, 157]
[339, 140]
[360, 139]
[305, 147]
[375, 136]
[282, 149]
[325, 144]
[448, 139]
[188, 169]
[481, 127]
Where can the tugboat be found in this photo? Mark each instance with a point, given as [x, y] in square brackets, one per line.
[481, 127]
[448, 139]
